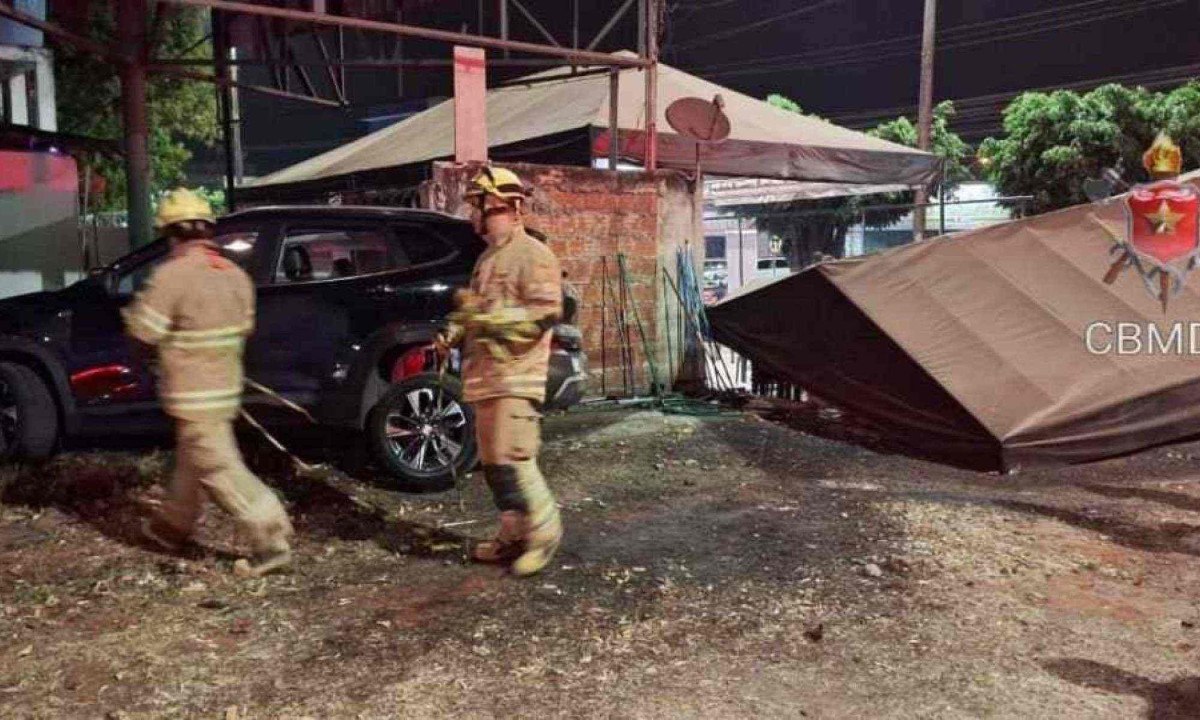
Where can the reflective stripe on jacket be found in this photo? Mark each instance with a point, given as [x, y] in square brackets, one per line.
[197, 308]
[519, 273]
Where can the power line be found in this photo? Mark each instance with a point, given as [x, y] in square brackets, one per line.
[948, 46]
[964, 107]
[756, 24]
[942, 36]
[997, 37]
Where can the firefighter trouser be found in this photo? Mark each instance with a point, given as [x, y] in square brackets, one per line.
[508, 431]
[208, 463]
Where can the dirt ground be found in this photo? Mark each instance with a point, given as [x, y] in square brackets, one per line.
[717, 567]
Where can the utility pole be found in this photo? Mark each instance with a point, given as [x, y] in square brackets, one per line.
[652, 8]
[925, 116]
[131, 32]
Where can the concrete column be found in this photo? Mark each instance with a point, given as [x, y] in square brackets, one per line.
[18, 95]
[47, 108]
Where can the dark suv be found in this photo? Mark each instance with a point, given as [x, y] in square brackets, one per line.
[350, 300]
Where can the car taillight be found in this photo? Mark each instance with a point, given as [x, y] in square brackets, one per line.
[411, 363]
[105, 381]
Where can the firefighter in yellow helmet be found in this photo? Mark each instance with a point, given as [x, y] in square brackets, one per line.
[196, 310]
[504, 322]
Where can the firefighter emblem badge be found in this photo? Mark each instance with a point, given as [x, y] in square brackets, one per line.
[1162, 235]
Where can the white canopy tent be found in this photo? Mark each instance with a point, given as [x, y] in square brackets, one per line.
[765, 141]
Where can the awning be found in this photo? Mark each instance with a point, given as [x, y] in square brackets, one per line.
[765, 142]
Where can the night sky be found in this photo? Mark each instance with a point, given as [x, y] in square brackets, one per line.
[1010, 56]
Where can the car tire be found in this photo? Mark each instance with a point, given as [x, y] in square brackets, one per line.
[405, 427]
[30, 417]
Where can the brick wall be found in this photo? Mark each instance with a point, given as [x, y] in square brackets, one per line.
[591, 216]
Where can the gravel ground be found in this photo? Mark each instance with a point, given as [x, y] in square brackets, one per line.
[752, 565]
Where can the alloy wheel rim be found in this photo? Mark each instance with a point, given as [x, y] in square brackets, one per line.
[426, 431]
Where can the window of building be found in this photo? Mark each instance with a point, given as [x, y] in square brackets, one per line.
[714, 247]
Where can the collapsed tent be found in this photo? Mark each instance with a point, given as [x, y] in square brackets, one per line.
[993, 349]
[558, 116]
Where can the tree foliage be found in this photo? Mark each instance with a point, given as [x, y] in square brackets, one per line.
[810, 229]
[1053, 142]
[180, 112]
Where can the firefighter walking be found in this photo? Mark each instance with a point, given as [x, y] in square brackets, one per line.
[196, 310]
[504, 323]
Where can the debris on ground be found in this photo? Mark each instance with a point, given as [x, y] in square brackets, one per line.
[800, 575]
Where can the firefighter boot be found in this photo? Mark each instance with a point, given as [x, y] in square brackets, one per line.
[508, 543]
[271, 550]
[543, 531]
[267, 524]
[506, 492]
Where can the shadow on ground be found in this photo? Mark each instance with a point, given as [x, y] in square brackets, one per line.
[1175, 700]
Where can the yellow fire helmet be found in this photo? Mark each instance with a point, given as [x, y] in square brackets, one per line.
[498, 181]
[182, 205]
[1164, 158]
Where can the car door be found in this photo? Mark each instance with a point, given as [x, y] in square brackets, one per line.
[336, 283]
[108, 375]
[104, 369]
[308, 302]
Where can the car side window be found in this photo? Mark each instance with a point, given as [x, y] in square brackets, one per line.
[423, 246]
[316, 254]
[133, 280]
[135, 268]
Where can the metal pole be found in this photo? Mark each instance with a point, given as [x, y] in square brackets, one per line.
[579, 57]
[575, 24]
[614, 87]
[942, 209]
[504, 23]
[131, 31]
[604, 326]
[399, 55]
[741, 248]
[641, 28]
[239, 165]
[225, 104]
[925, 113]
[652, 86]
[341, 55]
[200, 77]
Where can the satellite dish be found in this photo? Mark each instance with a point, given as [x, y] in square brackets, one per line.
[1103, 187]
[1097, 189]
[699, 119]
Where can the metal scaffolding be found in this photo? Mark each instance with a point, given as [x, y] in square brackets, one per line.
[280, 28]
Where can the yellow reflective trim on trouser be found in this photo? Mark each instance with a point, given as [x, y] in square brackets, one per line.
[220, 332]
[205, 394]
[203, 405]
[203, 399]
[175, 342]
